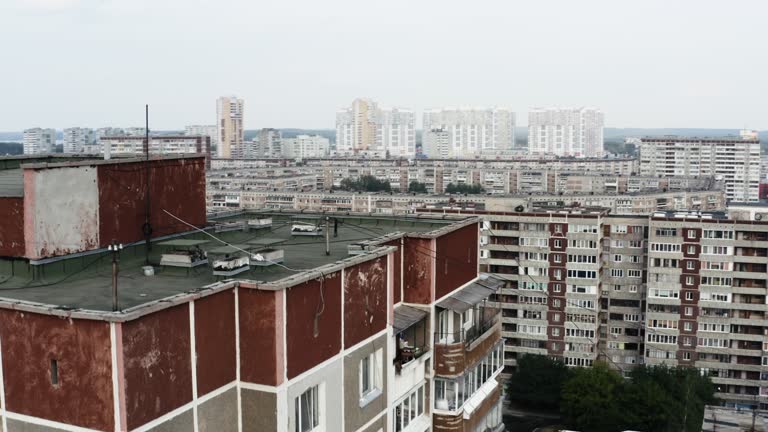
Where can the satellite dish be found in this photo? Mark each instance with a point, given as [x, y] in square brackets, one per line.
[758, 216]
[519, 209]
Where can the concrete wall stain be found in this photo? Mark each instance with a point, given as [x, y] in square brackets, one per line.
[365, 300]
[417, 270]
[215, 341]
[178, 185]
[83, 396]
[158, 371]
[456, 259]
[305, 307]
[258, 343]
[12, 227]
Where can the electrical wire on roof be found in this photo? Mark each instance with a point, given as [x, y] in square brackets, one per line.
[257, 257]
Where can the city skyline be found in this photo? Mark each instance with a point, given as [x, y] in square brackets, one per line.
[680, 75]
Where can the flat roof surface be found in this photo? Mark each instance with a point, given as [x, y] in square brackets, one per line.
[84, 282]
[11, 183]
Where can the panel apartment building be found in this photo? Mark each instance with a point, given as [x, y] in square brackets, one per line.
[565, 132]
[367, 129]
[467, 132]
[735, 161]
[262, 330]
[39, 141]
[678, 288]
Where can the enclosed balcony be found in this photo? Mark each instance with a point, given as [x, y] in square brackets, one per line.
[411, 329]
[467, 326]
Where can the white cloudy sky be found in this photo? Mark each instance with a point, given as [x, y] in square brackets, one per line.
[649, 63]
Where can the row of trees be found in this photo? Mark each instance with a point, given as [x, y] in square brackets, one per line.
[369, 183]
[599, 399]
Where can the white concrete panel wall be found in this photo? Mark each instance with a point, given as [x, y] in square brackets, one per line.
[61, 211]
[329, 378]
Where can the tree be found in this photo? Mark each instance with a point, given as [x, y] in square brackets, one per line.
[538, 381]
[417, 187]
[366, 183]
[590, 399]
[462, 188]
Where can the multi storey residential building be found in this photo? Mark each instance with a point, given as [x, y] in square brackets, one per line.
[565, 132]
[356, 337]
[735, 161]
[469, 131]
[366, 127]
[78, 140]
[204, 130]
[159, 144]
[39, 141]
[230, 112]
[306, 146]
[268, 144]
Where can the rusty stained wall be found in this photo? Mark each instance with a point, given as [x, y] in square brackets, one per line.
[313, 305]
[215, 342]
[83, 396]
[365, 300]
[177, 185]
[158, 370]
[457, 254]
[417, 270]
[61, 211]
[259, 321]
[12, 226]
[398, 264]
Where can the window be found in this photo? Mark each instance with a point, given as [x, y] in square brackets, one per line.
[617, 273]
[689, 280]
[371, 377]
[691, 234]
[690, 265]
[583, 274]
[617, 287]
[686, 355]
[633, 288]
[617, 258]
[634, 273]
[619, 229]
[409, 408]
[689, 294]
[688, 326]
[557, 258]
[666, 232]
[691, 250]
[665, 247]
[688, 311]
[557, 287]
[556, 331]
[308, 410]
[616, 330]
[558, 244]
[635, 244]
[556, 317]
[558, 229]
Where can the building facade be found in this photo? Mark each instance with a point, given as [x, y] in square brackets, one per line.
[566, 132]
[365, 127]
[158, 144]
[204, 130]
[230, 137]
[470, 131]
[306, 146]
[268, 144]
[77, 139]
[39, 141]
[734, 161]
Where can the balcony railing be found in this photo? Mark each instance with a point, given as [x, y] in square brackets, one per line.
[467, 336]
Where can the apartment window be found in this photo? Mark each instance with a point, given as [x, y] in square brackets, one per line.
[633, 288]
[617, 287]
[686, 355]
[557, 287]
[556, 303]
[634, 259]
[691, 249]
[617, 258]
[410, 408]
[556, 317]
[557, 258]
[617, 273]
[555, 346]
[558, 229]
[688, 326]
[308, 410]
[636, 244]
[370, 377]
[689, 280]
[691, 234]
[558, 274]
[556, 331]
[616, 330]
[690, 265]
[558, 244]
[688, 294]
[688, 311]
[634, 273]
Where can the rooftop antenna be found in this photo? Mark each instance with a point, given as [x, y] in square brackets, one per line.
[147, 228]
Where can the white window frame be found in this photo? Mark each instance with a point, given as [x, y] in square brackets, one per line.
[373, 375]
[317, 423]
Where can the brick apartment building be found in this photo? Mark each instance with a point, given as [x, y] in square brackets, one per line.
[678, 288]
[388, 329]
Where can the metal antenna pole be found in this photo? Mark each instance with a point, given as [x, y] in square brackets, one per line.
[327, 235]
[115, 249]
[147, 226]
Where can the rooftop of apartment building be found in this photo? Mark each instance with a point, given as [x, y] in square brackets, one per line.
[83, 281]
[681, 139]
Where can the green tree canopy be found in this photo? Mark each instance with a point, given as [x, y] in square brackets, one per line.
[366, 183]
[538, 381]
[417, 187]
[462, 188]
[591, 399]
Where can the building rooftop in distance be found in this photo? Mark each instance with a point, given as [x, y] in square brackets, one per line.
[83, 281]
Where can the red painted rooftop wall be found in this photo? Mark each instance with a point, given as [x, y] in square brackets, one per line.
[260, 313]
[11, 226]
[215, 341]
[177, 185]
[83, 395]
[457, 255]
[365, 300]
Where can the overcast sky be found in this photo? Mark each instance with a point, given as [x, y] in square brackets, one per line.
[683, 63]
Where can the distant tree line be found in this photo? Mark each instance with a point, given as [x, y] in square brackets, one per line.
[599, 399]
[417, 187]
[365, 183]
[11, 148]
[462, 188]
